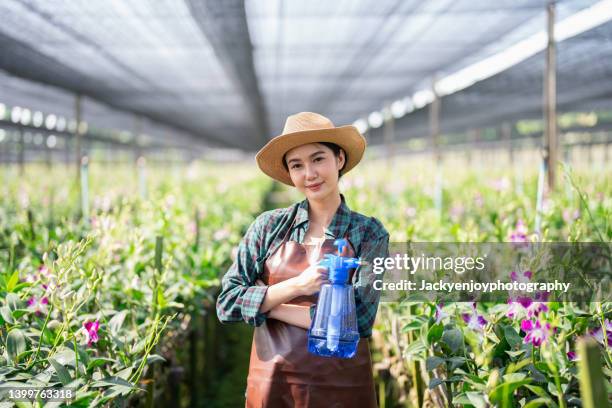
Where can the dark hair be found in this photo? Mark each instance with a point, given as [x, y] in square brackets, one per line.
[334, 148]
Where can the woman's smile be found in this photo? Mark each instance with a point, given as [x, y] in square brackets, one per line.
[314, 187]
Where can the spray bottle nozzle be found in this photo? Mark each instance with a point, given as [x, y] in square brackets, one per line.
[339, 265]
[340, 244]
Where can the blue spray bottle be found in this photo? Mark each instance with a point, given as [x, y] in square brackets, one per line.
[333, 331]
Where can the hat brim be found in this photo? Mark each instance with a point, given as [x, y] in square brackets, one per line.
[270, 157]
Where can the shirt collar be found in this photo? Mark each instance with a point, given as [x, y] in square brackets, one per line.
[338, 225]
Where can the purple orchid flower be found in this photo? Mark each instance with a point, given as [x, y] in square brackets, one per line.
[518, 305]
[523, 277]
[501, 184]
[474, 320]
[38, 306]
[440, 313]
[569, 217]
[43, 270]
[519, 234]
[598, 333]
[571, 356]
[534, 308]
[456, 212]
[478, 200]
[91, 330]
[537, 333]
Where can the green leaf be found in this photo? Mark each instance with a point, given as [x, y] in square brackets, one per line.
[453, 338]
[116, 390]
[461, 399]
[13, 301]
[15, 344]
[504, 391]
[433, 362]
[539, 391]
[116, 322]
[20, 312]
[110, 381]
[62, 372]
[434, 333]
[456, 362]
[83, 356]
[65, 356]
[477, 399]
[98, 362]
[552, 388]
[515, 354]
[514, 377]
[83, 400]
[539, 402]
[414, 348]
[12, 281]
[161, 299]
[536, 374]
[151, 359]
[435, 382]
[413, 325]
[125, 373]
[6, 314]
[512, 337]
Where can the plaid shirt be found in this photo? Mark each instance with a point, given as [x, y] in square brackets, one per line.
[240, 298]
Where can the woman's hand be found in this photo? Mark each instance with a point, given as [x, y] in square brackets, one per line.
[311, 279]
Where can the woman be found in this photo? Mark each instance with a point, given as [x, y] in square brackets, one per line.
[273, 283]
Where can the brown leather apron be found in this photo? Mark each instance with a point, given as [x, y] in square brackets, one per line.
[282, 373]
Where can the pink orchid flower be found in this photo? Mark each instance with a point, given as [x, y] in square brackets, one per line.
[91, 330]
[537, 333]
[474, 320]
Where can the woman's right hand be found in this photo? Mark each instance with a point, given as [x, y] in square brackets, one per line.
[311, 279]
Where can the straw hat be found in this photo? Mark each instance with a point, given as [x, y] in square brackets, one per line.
[308, 127]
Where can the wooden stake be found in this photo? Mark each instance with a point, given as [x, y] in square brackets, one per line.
[77, 134]
[592, 388]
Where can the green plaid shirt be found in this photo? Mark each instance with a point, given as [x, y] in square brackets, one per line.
[240, 298]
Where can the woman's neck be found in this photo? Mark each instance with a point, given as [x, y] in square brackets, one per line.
[321, 212]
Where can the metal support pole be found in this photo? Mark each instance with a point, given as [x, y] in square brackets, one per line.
[67, 158]
[109, 154]
[77, 135]
[506, 134]
[4, 141]
[434, 125]
[136, 141]
[551, 143]
[21, 152]
[389, 136]
[48, 151]
[473, 140]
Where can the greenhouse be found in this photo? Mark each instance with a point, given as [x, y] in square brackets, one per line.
[388, 203]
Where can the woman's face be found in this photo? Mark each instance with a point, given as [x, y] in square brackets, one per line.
[313, 169]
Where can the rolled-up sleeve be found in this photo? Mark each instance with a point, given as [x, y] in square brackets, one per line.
[240, 297]
[374, 245]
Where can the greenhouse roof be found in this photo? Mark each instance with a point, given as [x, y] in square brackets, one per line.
[229, 72]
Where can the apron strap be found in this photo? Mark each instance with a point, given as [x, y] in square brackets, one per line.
[287, 233]
[274, 246]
